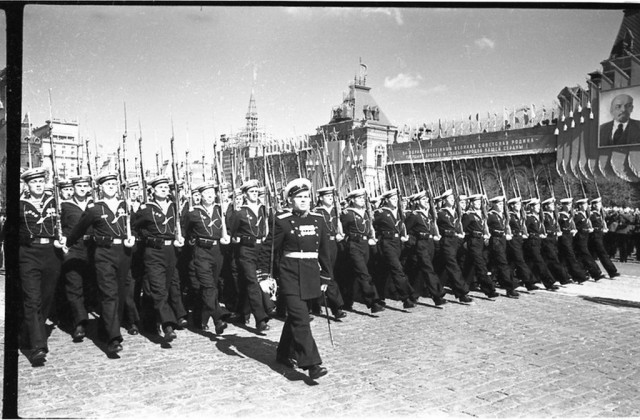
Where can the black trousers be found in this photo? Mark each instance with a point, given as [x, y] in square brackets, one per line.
[568, 257]
[296, 339]
[114, 280]
[448, 257]
[423, 276]
[358, 258]
[39, 272]
[247, 258]
[76, 269]
[390, 250]
[207, 264]
[162, 284]
[476, 262]
[581, 248]
[597, 247]
[515, 255]
[500, 264]
[533, 257]
[549, 248]
[333, 295]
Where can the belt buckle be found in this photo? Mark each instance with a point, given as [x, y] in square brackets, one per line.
[168, 242]
[258, 241]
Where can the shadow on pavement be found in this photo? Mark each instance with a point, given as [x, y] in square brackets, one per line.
[612, 302]
[257, 348]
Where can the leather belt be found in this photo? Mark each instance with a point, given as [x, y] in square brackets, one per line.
[206, 241]
[301, 255]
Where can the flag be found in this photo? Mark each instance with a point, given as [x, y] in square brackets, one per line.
[533, 112]
[439, 128]
[526, 117]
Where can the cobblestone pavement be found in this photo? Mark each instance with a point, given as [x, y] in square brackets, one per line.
[571, 353]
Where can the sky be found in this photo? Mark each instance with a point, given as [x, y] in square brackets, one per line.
[196, 66]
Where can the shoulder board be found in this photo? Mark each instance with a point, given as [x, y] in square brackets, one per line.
[564, 213]
[151, 203]
[494, 211]
[311, 213]
[199, 207]
[284, 215]
[90, 205]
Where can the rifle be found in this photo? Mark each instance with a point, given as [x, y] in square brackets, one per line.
[219, 179]
[523, 215]
[413, 170]
[298, 160]
[157, 164]
[428, 178]
[179, 240]
[187, 178]
[535, 182]
[123, 181]
[458, 208]
[60, 242]
[331, 181]
[267, 188]
[504, 193]
[232, 178]
[483, 200]
[143, 182]
[595, 181]
[204, 167]
[368, 206]
[94, 187]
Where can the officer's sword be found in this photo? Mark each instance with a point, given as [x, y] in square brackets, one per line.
[326, 308]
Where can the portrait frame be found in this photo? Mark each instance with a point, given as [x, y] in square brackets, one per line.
[605, 118]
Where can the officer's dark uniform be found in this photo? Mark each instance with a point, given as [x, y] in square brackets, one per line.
[204, 230]
[581, 245]
[112, 260]
[533, 251]
[515, 251]
[249, 230]
[549, 249]
[304, 266]
[498, 252]
[39, 266]
[596, 244]
[357, 229]
[565, 248]
[334, 297]
[388, 230]
[76, 264]
[420, 230]
[449, 244]
[161, 281]
[472, 223]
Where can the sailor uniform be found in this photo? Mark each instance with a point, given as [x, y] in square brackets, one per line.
[39, 264]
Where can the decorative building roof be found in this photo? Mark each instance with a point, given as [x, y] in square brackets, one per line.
[628, 40]
[359, 105]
